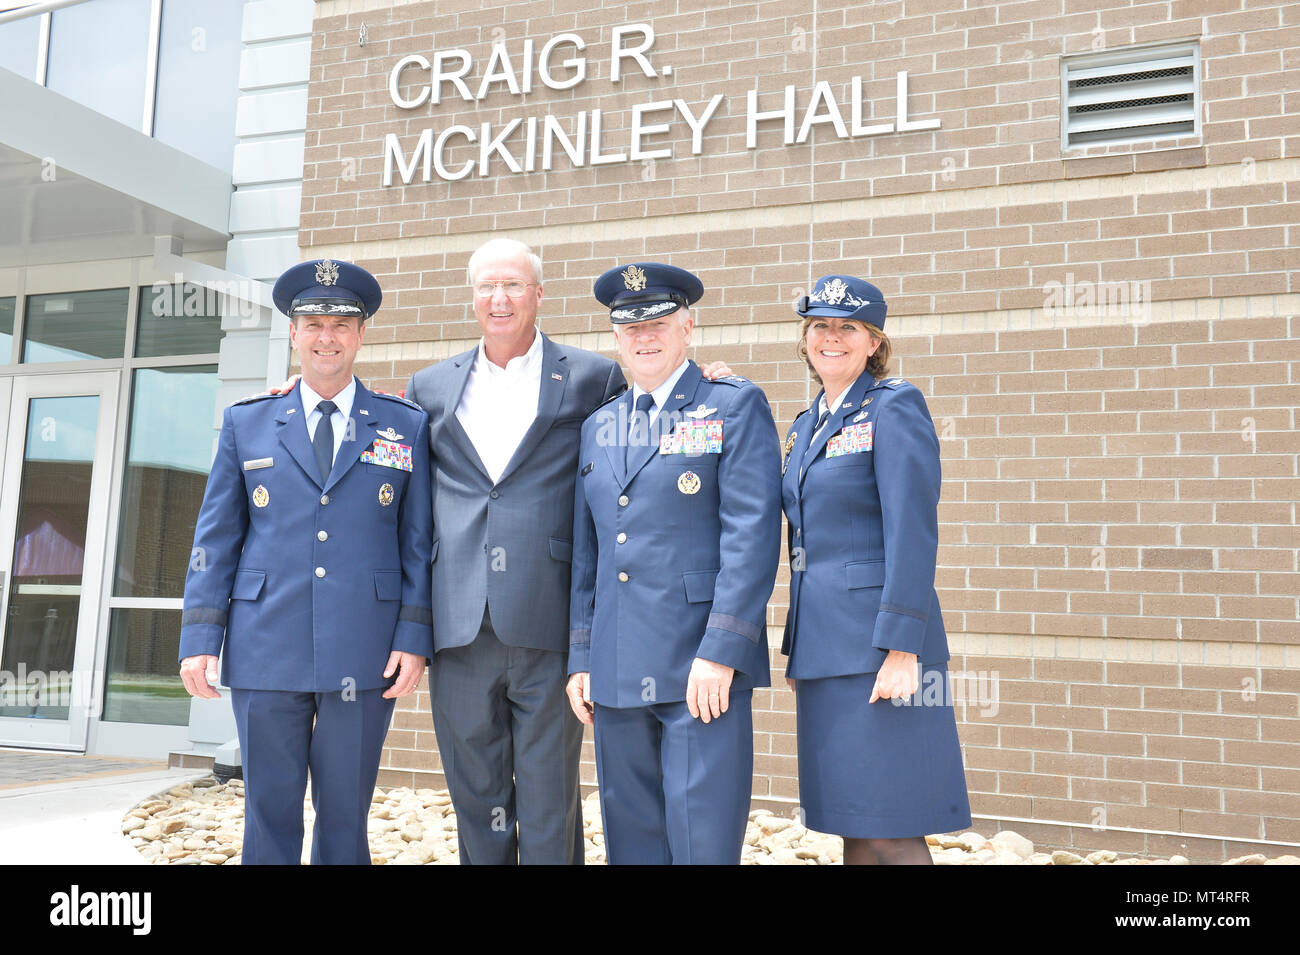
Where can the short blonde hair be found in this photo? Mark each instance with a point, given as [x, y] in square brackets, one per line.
[877, 363]
[503, 244]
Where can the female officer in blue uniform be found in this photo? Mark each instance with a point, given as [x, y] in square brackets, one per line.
[879, 759]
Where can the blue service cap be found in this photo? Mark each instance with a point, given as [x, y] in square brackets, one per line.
[843, 296]
[326, 287]
[644, 290]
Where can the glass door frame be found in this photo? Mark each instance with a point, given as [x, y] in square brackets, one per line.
[69, 734]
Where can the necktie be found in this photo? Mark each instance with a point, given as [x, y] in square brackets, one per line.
[821, 423]
[639, 431]
[323, 442]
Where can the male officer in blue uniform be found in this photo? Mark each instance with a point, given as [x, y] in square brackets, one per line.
[677, 526]
[310, 576]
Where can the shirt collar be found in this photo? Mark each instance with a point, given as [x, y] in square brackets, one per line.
[343, 400]
[823, 407]
[660, 394]
[522, 363]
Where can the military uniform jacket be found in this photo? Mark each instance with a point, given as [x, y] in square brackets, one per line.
[306, 586]
[861, 501]
[507, 546]
[675, 557]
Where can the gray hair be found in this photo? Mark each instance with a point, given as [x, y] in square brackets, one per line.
[512, 246]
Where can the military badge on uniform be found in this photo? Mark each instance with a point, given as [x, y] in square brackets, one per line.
[689, 482]
[258, 463]
[789, 446]
[385, 494]
[327, 273]
[633, 279]
[388, 454]
[701, 412]
[693, 437]
[854, 439]
[261, 497]
[859, 416]
[390, 434]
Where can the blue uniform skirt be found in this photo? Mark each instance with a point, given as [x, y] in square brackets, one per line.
[880, 770]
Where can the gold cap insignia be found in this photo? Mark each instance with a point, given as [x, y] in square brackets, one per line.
[386, 495]
[327, 272]
[633, 278]
[689, 482]
[261, 497]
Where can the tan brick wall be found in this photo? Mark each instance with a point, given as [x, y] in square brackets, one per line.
[1119, 539]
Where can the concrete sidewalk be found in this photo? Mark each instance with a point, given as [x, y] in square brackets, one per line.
[67, 810]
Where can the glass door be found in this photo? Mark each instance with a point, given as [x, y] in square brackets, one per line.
[53, 515]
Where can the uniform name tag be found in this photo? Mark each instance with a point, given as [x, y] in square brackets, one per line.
[258, 463]
[693, 437]
[389, 454]
[854, 439]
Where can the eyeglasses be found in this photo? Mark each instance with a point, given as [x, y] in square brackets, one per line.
[512, 289]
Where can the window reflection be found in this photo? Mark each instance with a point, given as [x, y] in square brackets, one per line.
[198, 78]
[6, 330]
[168, 458]
[40, 634]
[142, 683]
[98, 55]
[70, 326]
[177, 320]
[19, 44]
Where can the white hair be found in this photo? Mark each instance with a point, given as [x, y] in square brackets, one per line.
[507, 246]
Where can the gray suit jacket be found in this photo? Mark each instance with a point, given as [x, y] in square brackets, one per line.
[508, 546]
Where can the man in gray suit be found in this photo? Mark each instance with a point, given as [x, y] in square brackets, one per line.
[504, 423]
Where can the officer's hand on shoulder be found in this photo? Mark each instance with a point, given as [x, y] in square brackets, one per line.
[715, 370]
[285, 388]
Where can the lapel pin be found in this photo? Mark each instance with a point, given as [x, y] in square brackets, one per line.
[556, 376]
[364, 412]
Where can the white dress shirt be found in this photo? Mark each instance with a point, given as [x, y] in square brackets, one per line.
[339, 419]
[823, 407]
[660, 394]
[499, 404]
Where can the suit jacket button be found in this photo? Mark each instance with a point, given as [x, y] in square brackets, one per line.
[494, 495]
[324, 498]
[622, 500]
[622, 577]
[622, 538]
[322, 536]
[320, 571]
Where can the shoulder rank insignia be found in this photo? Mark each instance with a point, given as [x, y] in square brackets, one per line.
[895, 382]
[258, 397]
[701, 412]
[390, 434]
[398, 398]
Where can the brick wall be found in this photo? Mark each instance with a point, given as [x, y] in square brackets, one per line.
[1119, 538]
